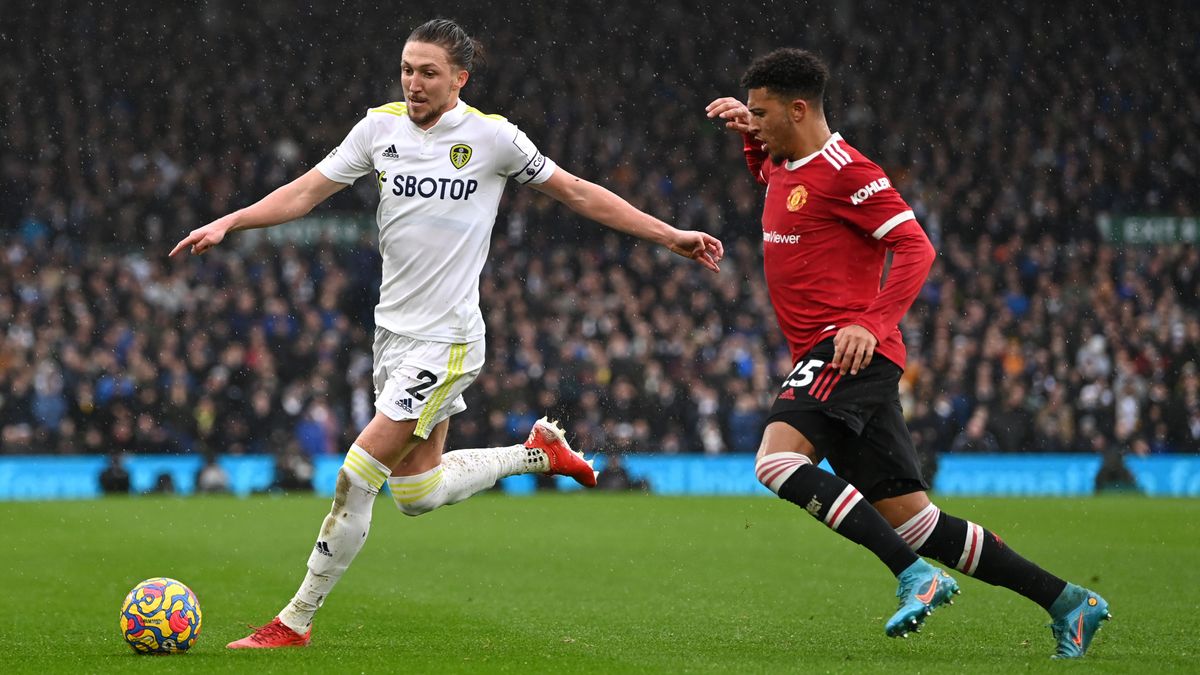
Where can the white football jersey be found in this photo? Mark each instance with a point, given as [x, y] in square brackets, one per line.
[438, 194]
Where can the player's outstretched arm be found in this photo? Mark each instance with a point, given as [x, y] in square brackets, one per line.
[594, 202]
[286, 203]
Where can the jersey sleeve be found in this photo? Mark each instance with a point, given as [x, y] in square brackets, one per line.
[756, 159]
[352, 159]
[865, 198]
[520, 159]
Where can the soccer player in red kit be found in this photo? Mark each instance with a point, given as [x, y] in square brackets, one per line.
[829, 218]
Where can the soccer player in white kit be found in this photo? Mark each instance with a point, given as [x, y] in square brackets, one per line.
[440, 166]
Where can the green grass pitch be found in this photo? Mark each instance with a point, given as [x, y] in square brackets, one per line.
[584, 583]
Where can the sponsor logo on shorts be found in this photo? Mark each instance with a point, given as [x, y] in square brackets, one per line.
[405, 404]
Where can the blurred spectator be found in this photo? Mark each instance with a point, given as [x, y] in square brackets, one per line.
[163, 485]
[317, 431]
[212, 478]
[975, 437]
[114, 479]
[616, 477]
[931, 433]
[541, 482]
[293, 471]
[1012, 424]
[1114, 475]
[745, 423]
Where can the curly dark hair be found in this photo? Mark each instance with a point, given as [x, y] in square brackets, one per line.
[464, 50]
[791, 72]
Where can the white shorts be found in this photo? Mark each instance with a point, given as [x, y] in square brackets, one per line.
[421, 380]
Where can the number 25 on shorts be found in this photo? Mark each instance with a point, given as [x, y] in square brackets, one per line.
[802, 375]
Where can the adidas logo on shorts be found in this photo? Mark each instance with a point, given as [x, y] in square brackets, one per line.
[405, 404]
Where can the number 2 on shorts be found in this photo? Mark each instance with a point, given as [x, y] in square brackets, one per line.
[428, 379]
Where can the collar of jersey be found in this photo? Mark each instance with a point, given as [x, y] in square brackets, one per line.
[796, 164]
[448, 120]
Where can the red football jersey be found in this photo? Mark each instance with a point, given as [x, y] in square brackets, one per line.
[828, 221]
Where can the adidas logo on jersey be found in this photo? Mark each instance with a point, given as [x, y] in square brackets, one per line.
[405, 404]
[391, 153]
[877, 185]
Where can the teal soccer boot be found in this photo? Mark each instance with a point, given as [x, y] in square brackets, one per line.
[1074, 628]
[923, 588]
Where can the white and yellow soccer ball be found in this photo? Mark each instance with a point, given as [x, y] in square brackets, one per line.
[160, 616]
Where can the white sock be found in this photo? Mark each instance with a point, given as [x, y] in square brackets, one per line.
[341, 537]
[462, 474]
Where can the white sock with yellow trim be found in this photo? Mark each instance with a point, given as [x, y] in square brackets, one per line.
[462, 474]
[341, 537]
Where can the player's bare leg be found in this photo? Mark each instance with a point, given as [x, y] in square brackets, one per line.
[1076, 612]
[786, 464]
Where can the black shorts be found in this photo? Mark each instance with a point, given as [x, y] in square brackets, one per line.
[854, 421]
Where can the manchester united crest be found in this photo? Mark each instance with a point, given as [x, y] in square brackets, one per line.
[797, 198]
[460, 154]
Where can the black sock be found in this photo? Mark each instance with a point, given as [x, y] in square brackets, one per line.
[987, 558]
[836, 503]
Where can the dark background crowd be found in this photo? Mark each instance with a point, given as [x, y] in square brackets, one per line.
[1008, 129]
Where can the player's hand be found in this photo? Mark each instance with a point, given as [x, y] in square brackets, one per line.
[703, 248]
[203, 238]
[853, 347]
[734, 112]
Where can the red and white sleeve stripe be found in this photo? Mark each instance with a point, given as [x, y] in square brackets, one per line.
[916, 531]
[891, 223]
[972, 549]
[842, 506]
[835, 155]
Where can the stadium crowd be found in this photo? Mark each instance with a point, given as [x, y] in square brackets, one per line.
[1010, 133]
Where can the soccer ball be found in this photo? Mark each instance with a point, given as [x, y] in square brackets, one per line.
[160, 616]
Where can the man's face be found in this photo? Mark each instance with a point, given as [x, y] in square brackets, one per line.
[430, 82]
[771, 121]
